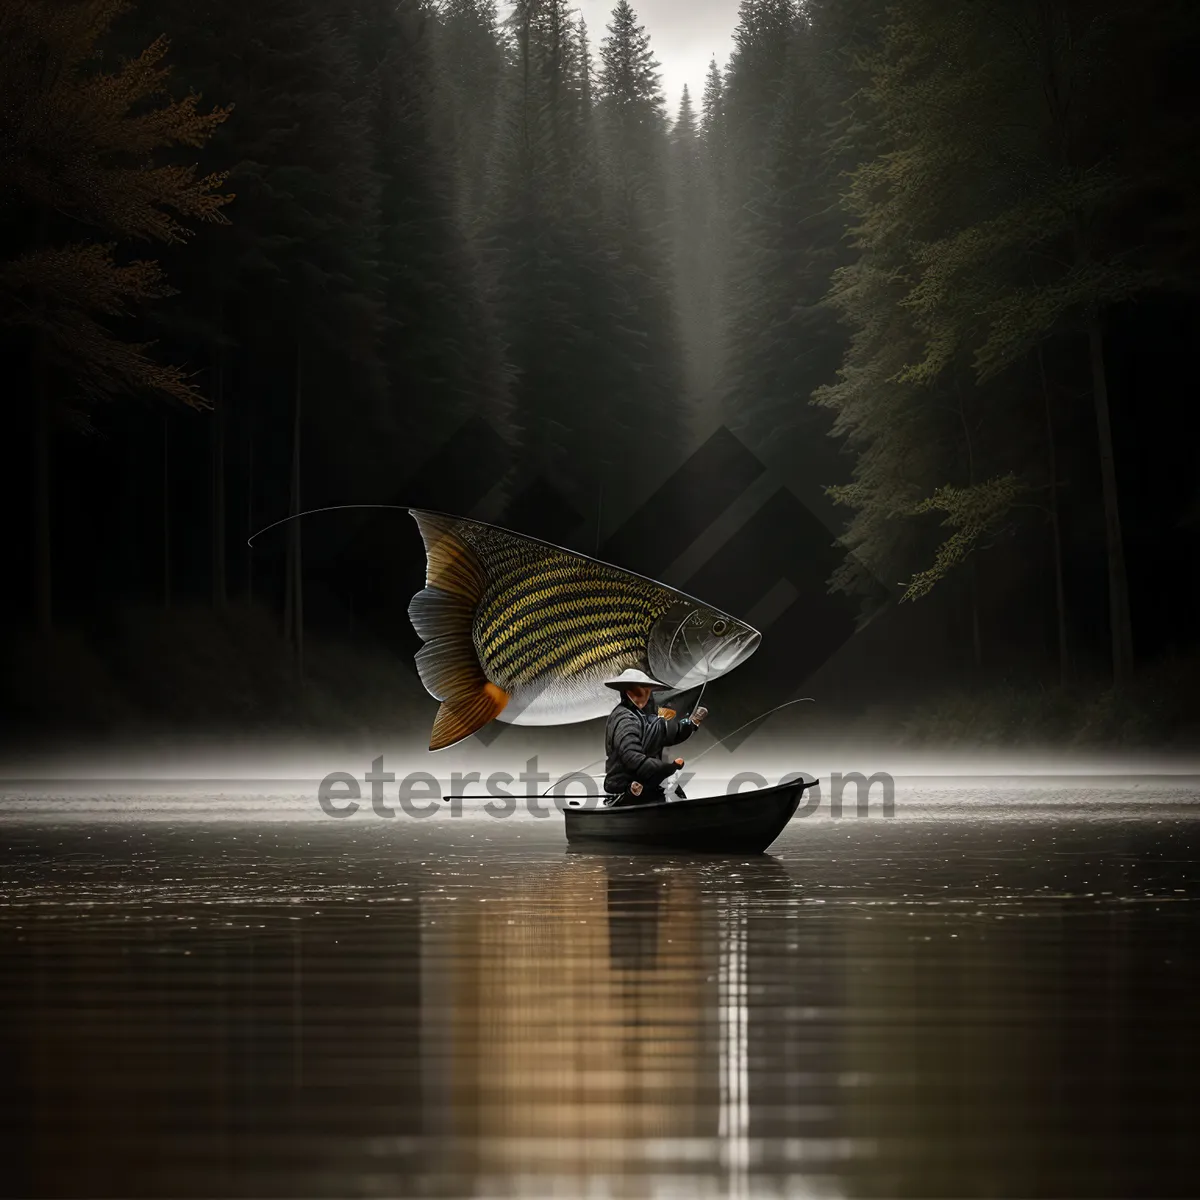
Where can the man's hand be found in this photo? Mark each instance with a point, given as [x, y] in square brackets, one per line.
[635, 788]
[698, 715]
[679, 762]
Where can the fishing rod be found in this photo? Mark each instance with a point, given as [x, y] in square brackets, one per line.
[760, 717]
[595, 762]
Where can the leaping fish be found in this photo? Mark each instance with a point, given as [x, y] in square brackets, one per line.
[521, 631]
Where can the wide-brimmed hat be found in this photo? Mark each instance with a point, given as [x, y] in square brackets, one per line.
[632, 677]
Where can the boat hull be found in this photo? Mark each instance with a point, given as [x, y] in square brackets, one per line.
[746, 822]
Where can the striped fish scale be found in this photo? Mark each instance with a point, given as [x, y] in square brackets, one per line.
[549, 615]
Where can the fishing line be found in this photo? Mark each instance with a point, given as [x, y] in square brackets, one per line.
[761, 716]
[308, 512]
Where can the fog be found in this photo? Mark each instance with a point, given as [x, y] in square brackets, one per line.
[256, 781]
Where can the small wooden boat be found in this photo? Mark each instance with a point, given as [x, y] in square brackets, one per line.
[745, 822]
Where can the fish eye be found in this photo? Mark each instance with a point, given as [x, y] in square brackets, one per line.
[720, 626]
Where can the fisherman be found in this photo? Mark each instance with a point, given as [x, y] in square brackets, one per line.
[634, 741]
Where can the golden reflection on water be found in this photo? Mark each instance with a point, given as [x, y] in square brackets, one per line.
[593, 1023]
[572, 1017]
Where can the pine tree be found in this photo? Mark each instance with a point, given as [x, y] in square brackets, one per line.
[754, 80]
[1031, 256]
[470, 60]
[634, 142]
[783, 340]
[85, 169]
[715, 159]
[693, 252]
[557, 291]
[712, 107]
[439, 344]
[632, 119]
[84, 175]
[901, 436]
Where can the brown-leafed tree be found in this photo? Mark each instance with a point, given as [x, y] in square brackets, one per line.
[83, 176]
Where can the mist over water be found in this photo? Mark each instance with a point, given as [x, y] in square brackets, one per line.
[219, 780]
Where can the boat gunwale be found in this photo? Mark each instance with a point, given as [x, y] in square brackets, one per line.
[773, 790]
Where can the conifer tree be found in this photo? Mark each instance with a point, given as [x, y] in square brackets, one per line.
[1009, 209]
[691, 229]
[783, 340]
[438, 340]
[470, 60]
[634, 144]
[632, 119]
[715, 159]
[754, 80]
[533, 225]
[82, 175]
[571, 326]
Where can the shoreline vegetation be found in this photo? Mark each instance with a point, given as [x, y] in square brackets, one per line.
[152, 673]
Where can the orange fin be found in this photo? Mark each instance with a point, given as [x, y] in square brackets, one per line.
[667, 714]
[461, 716]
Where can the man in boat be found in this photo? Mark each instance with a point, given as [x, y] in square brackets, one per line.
[635, 738]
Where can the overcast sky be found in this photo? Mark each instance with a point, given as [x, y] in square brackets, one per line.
[685, 34]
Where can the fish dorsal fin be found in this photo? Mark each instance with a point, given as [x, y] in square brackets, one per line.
[442, 614]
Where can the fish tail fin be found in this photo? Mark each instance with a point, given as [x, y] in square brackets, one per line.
[450, 564]
[442, 615]
[460, 717]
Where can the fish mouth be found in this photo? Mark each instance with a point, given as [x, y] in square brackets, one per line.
[734, 653]
[721, 661]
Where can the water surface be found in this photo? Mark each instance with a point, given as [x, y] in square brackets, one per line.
[992, 994]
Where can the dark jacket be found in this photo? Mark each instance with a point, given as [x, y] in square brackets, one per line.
[634, 742]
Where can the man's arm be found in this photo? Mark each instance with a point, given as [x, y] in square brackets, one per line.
[676, 730]
[627, 744]
[679, 729]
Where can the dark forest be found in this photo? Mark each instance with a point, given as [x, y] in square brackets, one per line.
[924, 275]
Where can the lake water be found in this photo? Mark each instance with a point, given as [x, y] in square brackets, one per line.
[222, 993]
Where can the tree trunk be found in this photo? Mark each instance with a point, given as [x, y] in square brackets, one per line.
[1060, 591]
[249, 498]
[295, 580]
[166, 509]
[1118, 582]
[43, 551]
[976, 639]
[219, 426]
